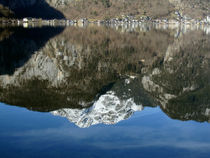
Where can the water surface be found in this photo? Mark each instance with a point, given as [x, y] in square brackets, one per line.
[99, 91]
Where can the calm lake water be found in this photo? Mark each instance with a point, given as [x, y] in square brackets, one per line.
[98, 91]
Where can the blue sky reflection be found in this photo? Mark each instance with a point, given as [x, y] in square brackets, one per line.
[147, 133]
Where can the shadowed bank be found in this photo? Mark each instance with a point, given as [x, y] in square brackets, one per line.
[28, 8]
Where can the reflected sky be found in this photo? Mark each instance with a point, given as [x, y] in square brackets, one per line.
[147, 133]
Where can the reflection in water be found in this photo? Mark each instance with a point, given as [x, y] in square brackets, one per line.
[17, 45]
[119, 103]
[97, 75]
[181, 82]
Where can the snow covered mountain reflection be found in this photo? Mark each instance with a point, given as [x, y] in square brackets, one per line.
[98, 75]
[108, 109]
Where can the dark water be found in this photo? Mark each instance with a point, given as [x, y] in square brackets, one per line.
[101, 91]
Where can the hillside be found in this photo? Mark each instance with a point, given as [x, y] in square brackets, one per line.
[111, 8]
[102, 9]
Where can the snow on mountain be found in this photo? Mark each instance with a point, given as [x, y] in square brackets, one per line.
[108, 109]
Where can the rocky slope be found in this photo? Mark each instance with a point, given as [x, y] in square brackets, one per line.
[111, 8]
[101, 9]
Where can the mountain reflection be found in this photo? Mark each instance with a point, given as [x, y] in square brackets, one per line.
[97, 74]
[18, 44]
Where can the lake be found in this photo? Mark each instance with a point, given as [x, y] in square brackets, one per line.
[105, 91]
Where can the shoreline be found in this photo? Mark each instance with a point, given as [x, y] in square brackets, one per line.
[120, 21]
[123, 27]
[115, 23]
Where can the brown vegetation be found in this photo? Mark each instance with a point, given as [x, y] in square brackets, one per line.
[104, 9]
